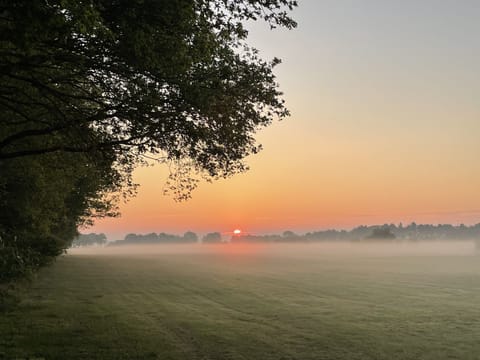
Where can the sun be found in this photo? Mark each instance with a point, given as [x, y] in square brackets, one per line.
[237, 232]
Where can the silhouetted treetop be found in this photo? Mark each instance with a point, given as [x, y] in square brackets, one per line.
[214, 237]
[174, 79]
[381, 233]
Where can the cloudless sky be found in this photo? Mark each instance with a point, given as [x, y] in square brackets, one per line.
[385, 127]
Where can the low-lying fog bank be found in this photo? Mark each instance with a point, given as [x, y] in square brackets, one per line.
[364, 248]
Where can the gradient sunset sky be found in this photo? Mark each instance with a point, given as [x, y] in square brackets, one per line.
[385, 127]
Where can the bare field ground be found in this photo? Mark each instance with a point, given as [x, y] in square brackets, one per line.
[279, 301]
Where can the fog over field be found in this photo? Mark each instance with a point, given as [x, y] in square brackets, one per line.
[307, 301]
[295, 250]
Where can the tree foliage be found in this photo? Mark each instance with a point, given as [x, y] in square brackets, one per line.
[90, 89]
[213, 237]
[172, 79]
[43, 200]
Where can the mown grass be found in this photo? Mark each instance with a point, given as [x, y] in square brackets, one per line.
[292, 304]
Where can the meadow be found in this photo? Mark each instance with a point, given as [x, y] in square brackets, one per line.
[305, 301]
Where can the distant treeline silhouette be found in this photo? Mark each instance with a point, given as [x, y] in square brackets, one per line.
[151, 238]
[375, 232]
[154, 238]
[412, 232]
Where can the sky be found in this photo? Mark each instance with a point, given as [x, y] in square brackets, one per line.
[385, 128]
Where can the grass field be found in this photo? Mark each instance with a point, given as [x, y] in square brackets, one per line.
[252, 302]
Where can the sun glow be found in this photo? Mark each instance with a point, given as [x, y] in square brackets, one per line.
[237, 232]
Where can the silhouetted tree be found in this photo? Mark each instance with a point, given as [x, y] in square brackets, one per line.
[382, 233]
[93, 88]
[43, 200]
[190, 236]
[214, 237]
[171, 79]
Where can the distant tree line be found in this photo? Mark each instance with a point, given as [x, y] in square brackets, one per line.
[164, 238]
[150, 238]
[411, 232]
[154, 238]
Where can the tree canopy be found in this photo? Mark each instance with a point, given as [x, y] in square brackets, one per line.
[90, 89]
[171, 79]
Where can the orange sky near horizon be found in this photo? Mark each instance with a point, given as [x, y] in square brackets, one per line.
[384, 128]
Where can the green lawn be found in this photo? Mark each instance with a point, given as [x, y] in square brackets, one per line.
[287, 302]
